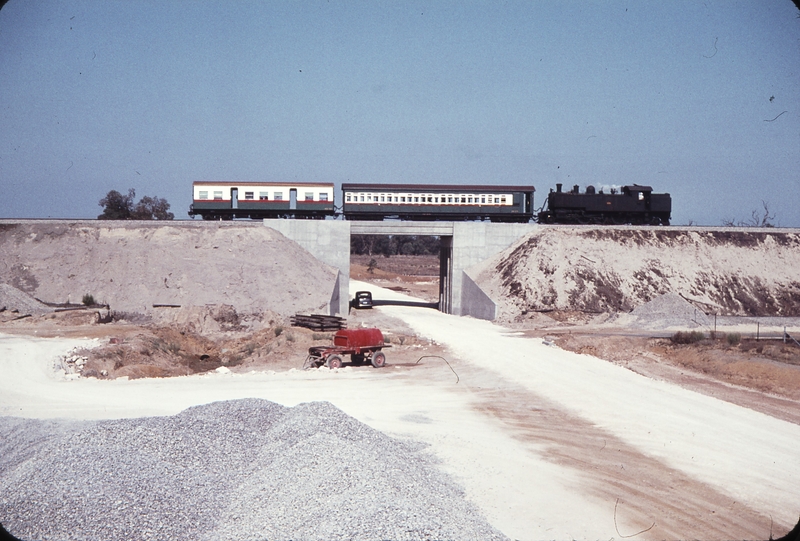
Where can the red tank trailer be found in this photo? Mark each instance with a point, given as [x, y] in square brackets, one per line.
[363, 345]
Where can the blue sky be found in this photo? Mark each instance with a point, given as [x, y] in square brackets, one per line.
[698, 99]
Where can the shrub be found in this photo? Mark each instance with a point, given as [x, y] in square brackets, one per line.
[734, 338]
[278, 331]
[692, 337]
[88, 300]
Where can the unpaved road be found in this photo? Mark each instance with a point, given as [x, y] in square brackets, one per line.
[548, 443]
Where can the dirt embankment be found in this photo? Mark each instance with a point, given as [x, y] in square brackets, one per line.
[133, 265]
[723, 271]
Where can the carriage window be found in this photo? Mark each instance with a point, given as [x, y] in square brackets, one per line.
[430, 199]
[469, 200]
[483, 199]
[203, 194]
[218, 195]
[450, 199]
[369, 198]
[349, 197]
[264, 196]
[324, 197]
[463, 199]
[502, 199]
[278, 196]
[641, 196]
[309, 196]
[249, 195]
[395, 199]
[416, 200]
[362, 198]
[402, 199]
[490, 199]
[383, 198]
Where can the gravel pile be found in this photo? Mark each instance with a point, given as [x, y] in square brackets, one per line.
[669, 310]
[244, 469]
[14, 300]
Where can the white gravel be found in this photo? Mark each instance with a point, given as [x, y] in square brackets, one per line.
[235, 470]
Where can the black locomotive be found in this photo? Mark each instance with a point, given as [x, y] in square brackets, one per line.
[635, 204]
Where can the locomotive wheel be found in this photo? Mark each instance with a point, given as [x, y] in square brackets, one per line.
[378, 359]
[334, 361]
[357, 358]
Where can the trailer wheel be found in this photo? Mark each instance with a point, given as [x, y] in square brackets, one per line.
[378, 359]
[334, 361]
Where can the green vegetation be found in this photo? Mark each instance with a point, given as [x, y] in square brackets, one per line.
[121, 207]
[733, 338]
[278, 330]
[88, 300]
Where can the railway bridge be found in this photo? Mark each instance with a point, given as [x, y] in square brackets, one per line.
[464, 244]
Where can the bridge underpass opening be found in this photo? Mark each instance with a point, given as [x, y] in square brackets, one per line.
[416, 265]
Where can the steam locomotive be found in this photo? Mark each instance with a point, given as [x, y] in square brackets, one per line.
[224, 200]
[634, 204]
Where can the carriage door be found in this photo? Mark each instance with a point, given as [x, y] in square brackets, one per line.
[234, 198]
[293, 199]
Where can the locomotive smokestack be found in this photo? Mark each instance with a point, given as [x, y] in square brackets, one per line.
[558, 188]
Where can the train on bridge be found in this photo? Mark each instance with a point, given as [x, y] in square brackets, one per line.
[223, 200]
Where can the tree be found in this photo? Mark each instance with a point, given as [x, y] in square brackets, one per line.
[121, 207]
[152, 208]
[117, 206]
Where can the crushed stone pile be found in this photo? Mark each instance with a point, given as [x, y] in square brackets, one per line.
[669, 310]
[236, 470]
[615, 269]
[14, 300]
[133, 265]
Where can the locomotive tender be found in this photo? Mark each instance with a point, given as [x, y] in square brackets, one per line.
[633, 205]
[437, 202]
[224, 200]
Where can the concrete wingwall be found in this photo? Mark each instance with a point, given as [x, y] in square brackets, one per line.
[472, 243]
[328, 241]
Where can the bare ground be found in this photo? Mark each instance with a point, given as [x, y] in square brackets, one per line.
[415, 275]
[763, 376]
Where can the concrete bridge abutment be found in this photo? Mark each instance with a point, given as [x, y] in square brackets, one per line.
[464, 245]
